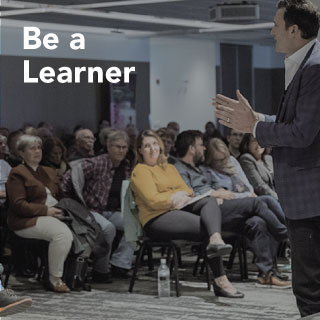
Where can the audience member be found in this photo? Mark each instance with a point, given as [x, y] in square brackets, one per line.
[210, 132]
[227, 173]
[103, 124]
[54, 155]
[11, 304]
[168, 138]
[236, 213]
[29, 129]
[234, 139]
[257, 166]
[83, 148]
[3, 146]
[132, 133]
[44, 124]
[162, 130]
[103, 138]
[174, 126]
[14, 158]
[4, 169]
[44, 133]
[32, 192]
[162, 198]
[4, 131]
[102, 178]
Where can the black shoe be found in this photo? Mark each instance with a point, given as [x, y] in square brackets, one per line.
[218, 250]
[119, 273]
[11, 304]
[99, 277]
[219, 292]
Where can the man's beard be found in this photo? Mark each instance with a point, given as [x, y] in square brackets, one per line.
[198, 159]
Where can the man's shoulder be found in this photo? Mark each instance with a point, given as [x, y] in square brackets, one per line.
[96, 160]
[181, 166]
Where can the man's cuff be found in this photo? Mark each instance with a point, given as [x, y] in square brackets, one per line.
[261, 117]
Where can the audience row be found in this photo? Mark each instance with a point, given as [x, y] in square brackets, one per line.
[167, 169]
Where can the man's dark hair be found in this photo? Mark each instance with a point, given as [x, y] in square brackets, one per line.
[186, 139]
[304, 14]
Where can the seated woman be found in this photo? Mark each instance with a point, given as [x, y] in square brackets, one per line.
[162, 198]
[32, 191]
[224, 170]
[257, 166]
[54, 155]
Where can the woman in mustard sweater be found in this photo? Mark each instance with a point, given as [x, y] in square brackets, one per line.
[162, 198]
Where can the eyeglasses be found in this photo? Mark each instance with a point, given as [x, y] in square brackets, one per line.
[119, 147]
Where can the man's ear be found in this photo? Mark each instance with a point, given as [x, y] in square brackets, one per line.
[294, 30]
[191, 149]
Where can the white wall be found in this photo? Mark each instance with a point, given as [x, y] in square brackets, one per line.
[185, 70]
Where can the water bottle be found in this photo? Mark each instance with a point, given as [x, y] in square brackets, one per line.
[163, 280]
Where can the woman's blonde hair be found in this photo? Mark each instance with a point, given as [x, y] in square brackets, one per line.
[215, 145]
[149, 133]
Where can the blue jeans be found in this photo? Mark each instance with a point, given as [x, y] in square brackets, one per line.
[122, 256]
[274, 205]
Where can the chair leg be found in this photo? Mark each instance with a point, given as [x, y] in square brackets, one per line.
[241, 262]
[179, 257]
[135, 270]
[195, 268]
[150, 258]
[208, 274]
[245, 264]
[175, 257]
[7, 274]
[232, 256]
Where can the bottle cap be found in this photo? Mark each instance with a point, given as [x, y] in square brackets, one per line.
[163, 261]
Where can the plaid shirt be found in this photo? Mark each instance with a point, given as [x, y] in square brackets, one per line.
[98, 174]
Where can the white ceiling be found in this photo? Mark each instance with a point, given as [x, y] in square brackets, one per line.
[142, 18]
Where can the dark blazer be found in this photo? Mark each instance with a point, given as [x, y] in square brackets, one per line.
[27, 194]
[295, 138]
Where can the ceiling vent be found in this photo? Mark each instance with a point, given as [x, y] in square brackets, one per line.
[235, 11]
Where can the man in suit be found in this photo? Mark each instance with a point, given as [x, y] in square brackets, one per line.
[294, 135]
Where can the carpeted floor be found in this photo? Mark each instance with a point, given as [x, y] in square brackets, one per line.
[113, 301]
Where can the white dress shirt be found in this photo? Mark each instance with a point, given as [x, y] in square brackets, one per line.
[293, 62]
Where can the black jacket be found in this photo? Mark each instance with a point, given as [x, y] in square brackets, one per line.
[87, 234]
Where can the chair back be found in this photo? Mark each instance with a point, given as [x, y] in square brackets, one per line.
[132, 225]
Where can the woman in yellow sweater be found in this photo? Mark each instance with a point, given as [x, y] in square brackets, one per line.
[162, 198]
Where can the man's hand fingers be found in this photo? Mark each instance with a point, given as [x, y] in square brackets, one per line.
[225, 123]
[242, 99]
[220, 98]
[221, 108]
